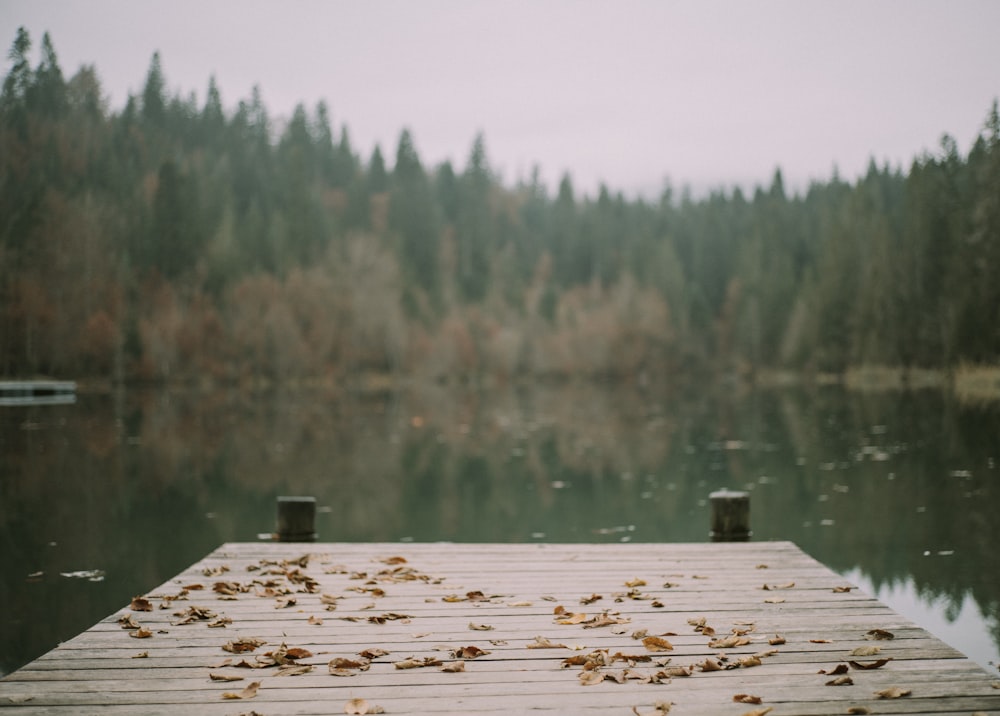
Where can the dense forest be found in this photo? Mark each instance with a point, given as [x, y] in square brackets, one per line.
[175, 241]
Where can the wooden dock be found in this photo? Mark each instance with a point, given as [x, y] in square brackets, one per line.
[722, 628]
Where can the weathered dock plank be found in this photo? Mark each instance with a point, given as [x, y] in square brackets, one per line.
[792, 626]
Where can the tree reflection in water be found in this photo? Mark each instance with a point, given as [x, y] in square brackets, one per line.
[899, 488]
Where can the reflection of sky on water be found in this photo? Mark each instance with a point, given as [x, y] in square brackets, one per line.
[966, 628]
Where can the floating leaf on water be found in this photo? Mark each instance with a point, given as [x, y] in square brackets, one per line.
[91, 575]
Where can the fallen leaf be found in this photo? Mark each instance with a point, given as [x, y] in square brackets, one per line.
[709, 665]
[372, 654]
[294, 670]
[141, 633]
[223, 677]
[541, 642]
[571, 618]
[412, 663]
[315, 621]
[840, 681]
[820, 641]
[589, 678]
[453, 667]
[729, 642]
[141, 604]
[655, 643]
[893, 692]
[838, 669]
[127, 621]
[469, 652]
[866, 651]
[241, 646]
[879, 634]
[248, 693]
[591, 599]
[340, 666]
[759, 712]
[748, 661]
[870, 665]
[480, 627]
[660, 708]
[776, 640]
[774, 600]
[360, 706]
[843, 590]
[519, 604]
[747, 699]
[636, 582]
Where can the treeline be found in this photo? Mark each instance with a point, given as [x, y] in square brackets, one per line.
[173, 240]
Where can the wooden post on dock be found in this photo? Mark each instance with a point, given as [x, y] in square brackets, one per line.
[296, 519]
[730, 516]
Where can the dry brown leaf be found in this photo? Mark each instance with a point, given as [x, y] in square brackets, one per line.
[840, 681]
[660, 708]
[774, 600]
[636, 582]
[589, 678]
[141, 633]
[518, 604]
[603, 620]
[747, 699]
[127, 621]
[360, 706]
[248, 693]
[541, 642]
[842, 590]
[341, 666]
[759, 712]
[655, 643]
[372, 654]
[571, 618]
[893, 692]
[591, 599]
[241, 646]
[480, 627]
[294, 669]
[747, 661]
[866, 651]
[870, 665]
[879, 634]
[454, 667]
[469, 652]
[412, 663]
[141, 655]
[776, 640]
[838, 669]
[729, 642]
[709, 665]
[223, 677]
[141, 604]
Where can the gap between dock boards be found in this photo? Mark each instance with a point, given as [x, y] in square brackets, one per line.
[504, 628]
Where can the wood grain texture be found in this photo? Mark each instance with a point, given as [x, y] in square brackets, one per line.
[426, 601]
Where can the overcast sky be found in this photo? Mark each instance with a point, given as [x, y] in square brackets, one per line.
[629, 92]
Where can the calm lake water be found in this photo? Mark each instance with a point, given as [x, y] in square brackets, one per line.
[898, 492]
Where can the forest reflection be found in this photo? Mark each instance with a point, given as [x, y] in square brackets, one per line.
[900, 487]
